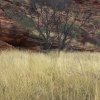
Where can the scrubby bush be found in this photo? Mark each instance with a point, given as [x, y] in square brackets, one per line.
[10, 13]
[98, 35]
[96, 21]
[70, 29]
[0, 1]
[95, 11]
[23, 20]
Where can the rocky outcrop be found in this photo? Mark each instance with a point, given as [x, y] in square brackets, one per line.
[82, 1]
[13, 7]
[36, 43]
[4, 45]
[86, 37]
[13, 34]
[79, 1]
[76, 47]
[16, 35]
[10, 31]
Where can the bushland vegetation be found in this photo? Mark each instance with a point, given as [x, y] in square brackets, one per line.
[25, 75]
[56, 16]
[53, 16]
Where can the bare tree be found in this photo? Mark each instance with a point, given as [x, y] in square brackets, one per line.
[55, 16]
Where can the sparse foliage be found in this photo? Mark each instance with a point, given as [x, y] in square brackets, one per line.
[23, 20]
[0, 1]
[55, 16]
[9, 13]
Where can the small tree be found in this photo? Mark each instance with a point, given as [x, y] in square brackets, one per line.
[51, 14]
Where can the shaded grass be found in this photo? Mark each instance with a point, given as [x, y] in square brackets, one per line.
[36, 76]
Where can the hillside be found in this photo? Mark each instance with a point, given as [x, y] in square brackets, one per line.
[16, 15]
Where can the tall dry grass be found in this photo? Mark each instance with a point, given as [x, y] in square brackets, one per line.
[36, 76]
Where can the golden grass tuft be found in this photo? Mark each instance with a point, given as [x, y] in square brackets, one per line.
[36, 76]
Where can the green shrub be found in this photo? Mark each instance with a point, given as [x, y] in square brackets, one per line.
[98, 35]
[71, 30]
[10, 13]
[96, 21]
[0, 1]
[95, 11]
[43, 29]
[23, 20]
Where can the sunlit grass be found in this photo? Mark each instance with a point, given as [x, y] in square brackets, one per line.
[36, 76]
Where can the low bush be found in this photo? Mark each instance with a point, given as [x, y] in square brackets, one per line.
[71, 30]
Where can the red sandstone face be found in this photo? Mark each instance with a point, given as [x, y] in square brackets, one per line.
[80, 1]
